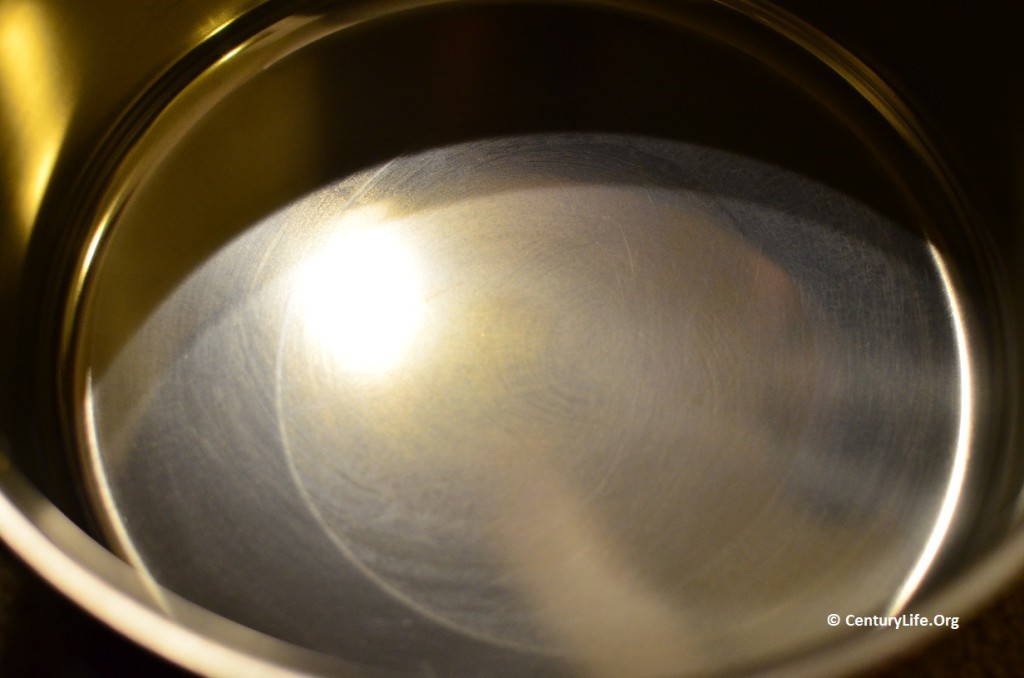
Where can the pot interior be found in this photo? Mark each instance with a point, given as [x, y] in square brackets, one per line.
[493, 339]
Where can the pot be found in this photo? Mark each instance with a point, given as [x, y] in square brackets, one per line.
[466, 338]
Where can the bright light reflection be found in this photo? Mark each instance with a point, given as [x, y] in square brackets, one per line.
[360, 299]
[958, 473]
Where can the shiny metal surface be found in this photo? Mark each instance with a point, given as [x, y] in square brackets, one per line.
[431, 353]
[564, 394]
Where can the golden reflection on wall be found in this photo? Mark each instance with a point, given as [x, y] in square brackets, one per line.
[35, 103]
